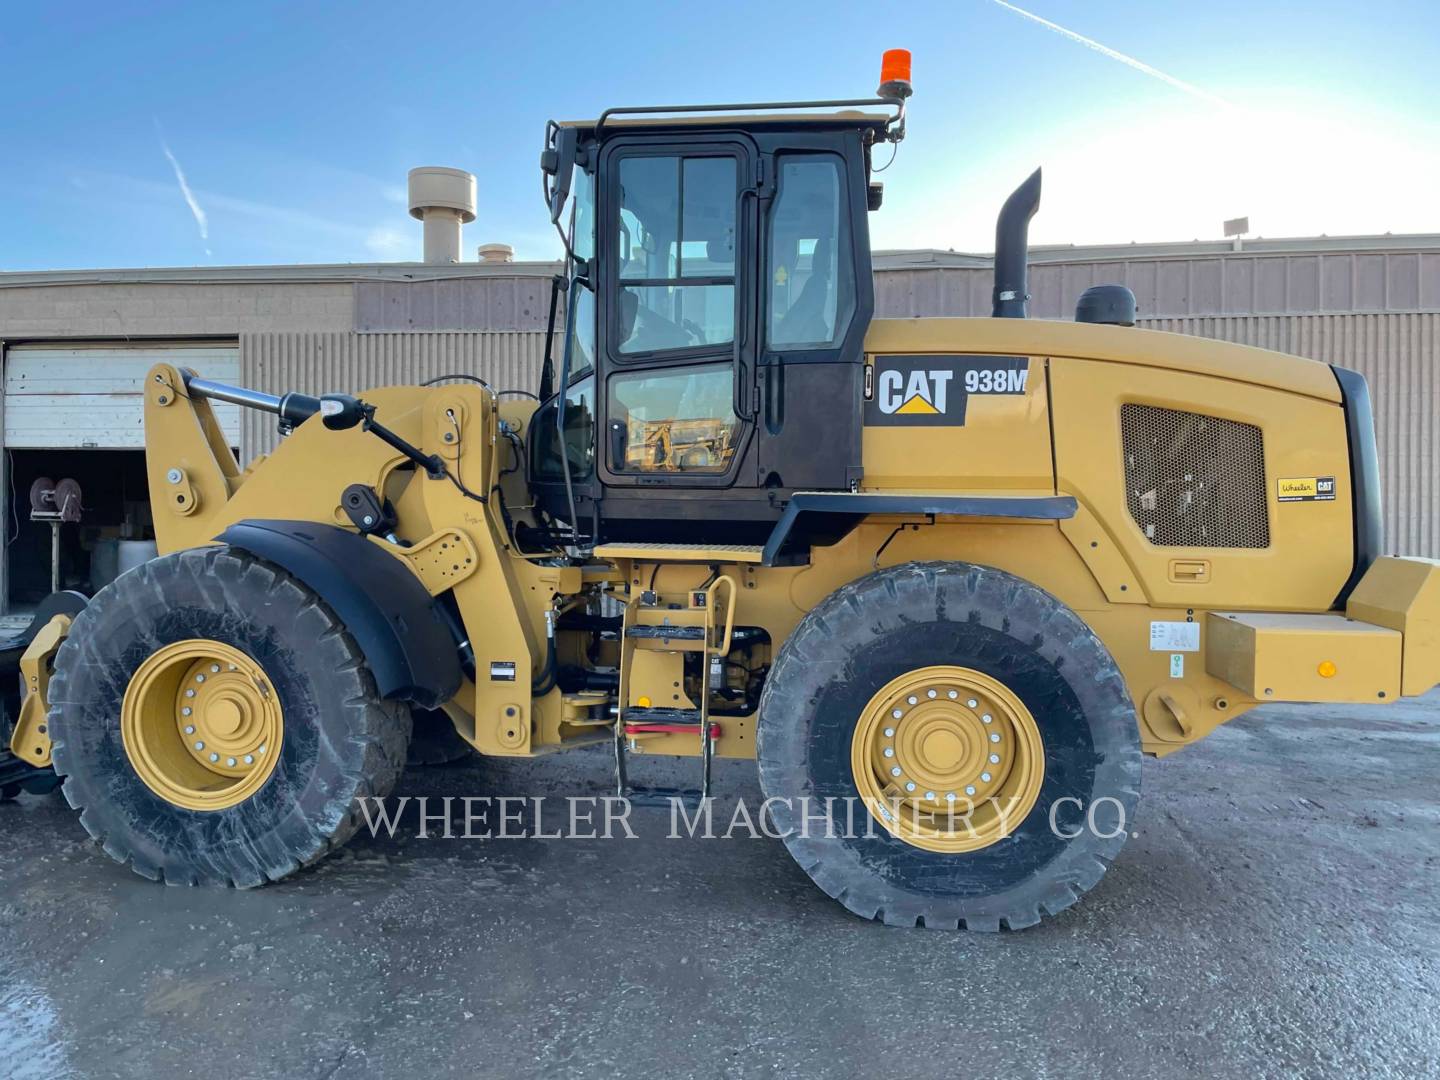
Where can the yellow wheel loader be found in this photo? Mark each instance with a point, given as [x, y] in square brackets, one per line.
[946, 580]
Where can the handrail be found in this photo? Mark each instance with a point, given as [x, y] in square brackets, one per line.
[724, 647]
[898, 104]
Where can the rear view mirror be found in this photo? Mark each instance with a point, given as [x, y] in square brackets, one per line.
[558, 163]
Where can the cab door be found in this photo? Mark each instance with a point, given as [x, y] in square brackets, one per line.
[676, 383]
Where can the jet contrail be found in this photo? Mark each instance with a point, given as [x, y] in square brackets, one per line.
[196, 210]
[1128, 61]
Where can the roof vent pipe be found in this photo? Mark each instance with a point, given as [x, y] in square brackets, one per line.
[1011, 248]
[444, 200]
[495, 253]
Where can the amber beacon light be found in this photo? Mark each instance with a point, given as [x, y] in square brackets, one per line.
[895, 74]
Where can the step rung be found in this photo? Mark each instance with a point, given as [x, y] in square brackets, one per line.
[707, 553]
[632, 730]
[660, 714]
[666, 632]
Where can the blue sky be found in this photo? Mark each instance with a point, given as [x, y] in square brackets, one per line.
[294, 123]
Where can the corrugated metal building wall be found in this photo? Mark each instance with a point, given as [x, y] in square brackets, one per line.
[1368, 303]
[325, 362]
[453, 303]
[1377, 311]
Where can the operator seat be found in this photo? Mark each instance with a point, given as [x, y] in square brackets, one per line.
[805, 321]
[629, 308]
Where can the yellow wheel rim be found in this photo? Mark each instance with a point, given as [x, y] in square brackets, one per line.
[948, 759]
[201, 724]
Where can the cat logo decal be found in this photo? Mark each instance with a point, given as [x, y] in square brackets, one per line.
[934, 391]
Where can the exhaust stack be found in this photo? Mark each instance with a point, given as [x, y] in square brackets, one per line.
[444, 200]
[1012, 228]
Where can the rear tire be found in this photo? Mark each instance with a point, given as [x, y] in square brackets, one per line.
[868, 637]
[340, 741]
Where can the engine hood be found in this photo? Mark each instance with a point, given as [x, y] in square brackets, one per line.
[1120, 344]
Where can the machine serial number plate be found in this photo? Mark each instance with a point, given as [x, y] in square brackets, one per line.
[933, 391]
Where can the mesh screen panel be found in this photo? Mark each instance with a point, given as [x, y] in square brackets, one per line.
[1193, 480]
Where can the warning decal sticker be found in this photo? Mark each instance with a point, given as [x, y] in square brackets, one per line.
[1180, 637]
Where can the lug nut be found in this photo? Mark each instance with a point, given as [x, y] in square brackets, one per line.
[895, 771]
[930, 693]
[214, 757]
[199, 746]
[897, 714]
[913, 700]
[889, 752]
[186, 711]
[950, 796]
[199, 678]
[214, 667]
[994, 736]
[189, 729]
[230, 762]
[994, 759]
[249, 759]
[972, 703]
[930, 795]
[189, 693]
[985, 776]
[988, 718]
[889, 733]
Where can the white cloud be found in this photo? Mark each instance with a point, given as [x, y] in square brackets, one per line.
[1296, 163]
[290, 234]
[389, 244]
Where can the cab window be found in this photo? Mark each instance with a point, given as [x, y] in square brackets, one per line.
[579, 441]
[676, 253]
[811, 272]
[577, 359]
[675, 420]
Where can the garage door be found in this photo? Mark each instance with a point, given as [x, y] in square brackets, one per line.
[93, 397]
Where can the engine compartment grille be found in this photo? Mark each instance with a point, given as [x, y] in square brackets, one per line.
[1193, 480]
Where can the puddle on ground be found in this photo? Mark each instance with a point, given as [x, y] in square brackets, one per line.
[29, 1032]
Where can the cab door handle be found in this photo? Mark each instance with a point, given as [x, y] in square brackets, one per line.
[1195, 571]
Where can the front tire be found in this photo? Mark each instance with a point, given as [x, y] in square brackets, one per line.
[293, 729]
[907, 684]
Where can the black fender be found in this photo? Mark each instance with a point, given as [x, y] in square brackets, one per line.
[397, 624]
[820, 518]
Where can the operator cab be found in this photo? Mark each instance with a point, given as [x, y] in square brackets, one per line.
[709, 330]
